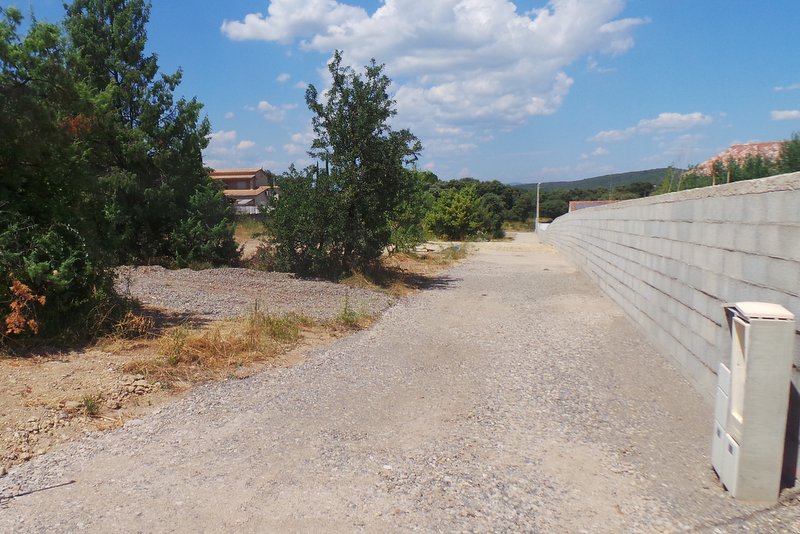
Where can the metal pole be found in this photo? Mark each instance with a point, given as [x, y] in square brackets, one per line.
[536, 222]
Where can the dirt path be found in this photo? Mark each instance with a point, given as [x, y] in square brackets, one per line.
[511, 397]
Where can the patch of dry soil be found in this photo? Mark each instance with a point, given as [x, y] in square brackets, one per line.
[56, 398]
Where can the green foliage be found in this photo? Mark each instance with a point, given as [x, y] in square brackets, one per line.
[651, 176]
[307, 223]
[345, 219]
[55, 263]
[149, 162]
[789, 159]
[91, 405]
[414, 201]
[523, 207]
[99, 164]
[555, 202]
[456, 214]
[493, 208]
[552, 205]
[206, 234]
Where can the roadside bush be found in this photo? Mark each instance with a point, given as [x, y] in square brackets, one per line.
[494, 209]
[52, 284]
[789, 159]
[206, 235]
[456, 214]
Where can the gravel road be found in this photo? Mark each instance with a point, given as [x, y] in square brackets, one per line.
[229, 292]
[511, 397]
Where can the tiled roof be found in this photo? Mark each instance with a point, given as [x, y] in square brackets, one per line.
[770, 150]
[246, 193]
[234, 174]
[580, 204]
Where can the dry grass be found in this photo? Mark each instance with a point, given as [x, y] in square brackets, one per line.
[349, 319]
[187, 354]
[518, 226]
[247, 228]
[404, 273]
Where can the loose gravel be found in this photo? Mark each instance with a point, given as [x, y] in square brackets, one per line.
[513, 397]
[230, 292]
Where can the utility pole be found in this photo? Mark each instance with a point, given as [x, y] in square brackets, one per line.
[536, 221]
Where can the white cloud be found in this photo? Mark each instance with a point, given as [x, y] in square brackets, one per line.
[614, 135]
[790, 87]
[222, 136]
[283, 77]
[300, 143]
[597, 152]
[449, 145]
[301, 85]
[287, 19]
[786, 115]
[593, 66]
[674, 121]
[664, 122]
[230, 115]
[272, 112]
[224, 151]
[455, 63]
[303, 137]
[294, 149]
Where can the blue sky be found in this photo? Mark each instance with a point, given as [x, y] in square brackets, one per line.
[521, 91]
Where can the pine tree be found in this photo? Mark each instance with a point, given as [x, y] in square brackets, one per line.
[149, 149]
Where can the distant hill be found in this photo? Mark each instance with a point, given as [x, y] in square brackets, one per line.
[652, 176]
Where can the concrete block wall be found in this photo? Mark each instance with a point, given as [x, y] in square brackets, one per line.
[671, 261]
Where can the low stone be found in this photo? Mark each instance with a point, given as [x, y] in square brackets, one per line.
[72, 405]
[112, 404]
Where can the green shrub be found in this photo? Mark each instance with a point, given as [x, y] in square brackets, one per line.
[456, 214]
[69, 290]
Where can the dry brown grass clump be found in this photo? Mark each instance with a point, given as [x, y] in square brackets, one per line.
[192, 355]
[403, 273]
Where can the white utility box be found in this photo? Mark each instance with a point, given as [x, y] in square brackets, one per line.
[753, 399]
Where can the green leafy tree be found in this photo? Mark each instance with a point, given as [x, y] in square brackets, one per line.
[456, 214]
[359, 192]
[789, 159]
[552, 205]
[148, 152]
[307, 223]
[494, 209]
[524, 207]
[205, 236]
[757, 167]
[53, 274]
[407, 222]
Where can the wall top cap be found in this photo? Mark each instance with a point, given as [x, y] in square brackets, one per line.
[760, 310]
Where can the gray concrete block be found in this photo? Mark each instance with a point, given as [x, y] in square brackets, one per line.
[671, 261]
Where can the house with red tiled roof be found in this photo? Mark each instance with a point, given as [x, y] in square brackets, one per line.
[247, 189]
[739, 153]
